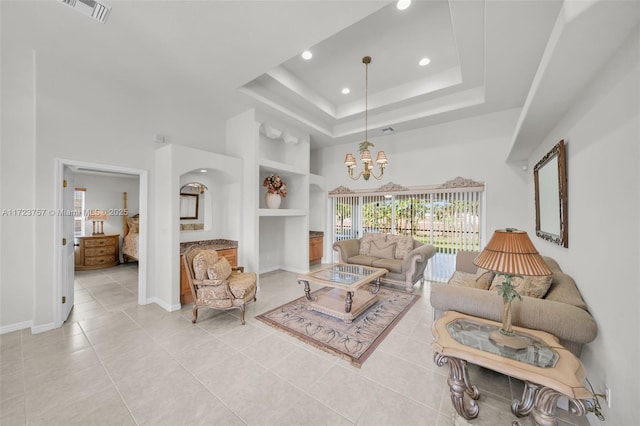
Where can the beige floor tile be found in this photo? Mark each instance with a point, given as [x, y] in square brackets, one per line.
[302, 368]
[339, 387]
[395, 409]
[13, 411]
[269, 350]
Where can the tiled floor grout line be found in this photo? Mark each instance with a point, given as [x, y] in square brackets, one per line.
[106, 370]
[186, 369]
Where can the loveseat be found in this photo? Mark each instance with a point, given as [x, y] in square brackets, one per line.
[560, 310]
[404, 257]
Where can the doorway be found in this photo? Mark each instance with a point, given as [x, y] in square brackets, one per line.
[64, 275]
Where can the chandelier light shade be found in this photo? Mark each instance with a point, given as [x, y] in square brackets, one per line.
[365, 154]
[510, 253]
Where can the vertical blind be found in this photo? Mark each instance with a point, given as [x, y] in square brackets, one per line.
[448, 218]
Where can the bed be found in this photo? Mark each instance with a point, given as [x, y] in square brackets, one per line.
[130, 230]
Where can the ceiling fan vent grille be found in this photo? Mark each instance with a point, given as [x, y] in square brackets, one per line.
[92, 8]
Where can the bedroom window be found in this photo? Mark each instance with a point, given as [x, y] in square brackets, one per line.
[78, 218]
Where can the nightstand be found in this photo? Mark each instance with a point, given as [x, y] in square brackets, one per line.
[97, 252]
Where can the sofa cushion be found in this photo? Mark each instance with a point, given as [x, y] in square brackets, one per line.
[525, 286]
[404, 244]
[382, 249]
[202, 261]
[391, 265]
[219, 270]
[362, 260]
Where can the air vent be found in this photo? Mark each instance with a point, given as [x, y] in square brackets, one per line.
[92, 8]
[386, 130]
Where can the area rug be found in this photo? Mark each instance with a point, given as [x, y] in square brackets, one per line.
[354, 341]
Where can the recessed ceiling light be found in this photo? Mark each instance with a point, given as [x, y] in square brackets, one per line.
[203, 170]
[346, 91]
[424, 61]
[403, 4]
[306, 55]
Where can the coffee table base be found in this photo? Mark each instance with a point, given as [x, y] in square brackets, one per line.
[342, 304]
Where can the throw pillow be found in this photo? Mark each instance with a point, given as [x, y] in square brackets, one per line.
[365, 243]
[466, 279]
[483, 278]
[404, 244]
[202, 261]
[220, 270]
[382, 249]
[526, 286]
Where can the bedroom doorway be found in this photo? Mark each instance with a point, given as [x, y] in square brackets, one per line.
[110, 199]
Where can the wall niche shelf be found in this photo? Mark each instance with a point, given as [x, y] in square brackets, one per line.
[282, 212]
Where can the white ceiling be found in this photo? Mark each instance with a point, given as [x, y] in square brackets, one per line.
[233, 55]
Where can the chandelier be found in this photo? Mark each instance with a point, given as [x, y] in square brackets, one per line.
[365, 154]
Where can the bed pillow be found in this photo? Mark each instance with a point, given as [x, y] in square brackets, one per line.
[134, 224]
[202, 261]
[220, 271]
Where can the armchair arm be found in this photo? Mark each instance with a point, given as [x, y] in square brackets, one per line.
[347, 248]
[212, 283]
[416, 260]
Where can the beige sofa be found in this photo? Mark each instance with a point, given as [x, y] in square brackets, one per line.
[561, 312]
[404, 257]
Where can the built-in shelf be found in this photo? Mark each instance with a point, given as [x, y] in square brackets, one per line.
[276, 167]
[282, 212]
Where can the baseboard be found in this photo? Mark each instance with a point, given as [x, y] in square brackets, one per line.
[44, 327]
[15, 327]
[164, 305]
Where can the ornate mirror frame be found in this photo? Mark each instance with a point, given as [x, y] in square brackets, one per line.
[550, 180]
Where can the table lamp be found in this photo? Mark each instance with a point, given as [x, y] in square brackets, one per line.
[510, 253]
[98, 216]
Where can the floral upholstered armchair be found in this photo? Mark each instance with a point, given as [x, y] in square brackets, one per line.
[215, 284]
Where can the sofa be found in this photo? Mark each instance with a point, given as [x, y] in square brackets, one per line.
[404, 257]
[560, 310]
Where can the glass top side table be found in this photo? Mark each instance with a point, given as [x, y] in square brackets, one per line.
[476, 335]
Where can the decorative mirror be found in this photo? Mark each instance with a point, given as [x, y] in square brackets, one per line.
[188, 206]
[550, 180]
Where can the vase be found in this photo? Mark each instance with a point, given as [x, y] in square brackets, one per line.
[272, 201]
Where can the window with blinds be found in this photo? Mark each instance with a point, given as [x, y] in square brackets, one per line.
[449, 218]
[78, 218]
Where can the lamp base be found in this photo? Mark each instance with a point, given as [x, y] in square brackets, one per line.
[510, 341]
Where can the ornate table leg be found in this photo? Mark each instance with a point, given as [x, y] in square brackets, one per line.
[525, 405]
[544, 407]
[348, 301]
[307, 289]
[459, 384]
[377, 284]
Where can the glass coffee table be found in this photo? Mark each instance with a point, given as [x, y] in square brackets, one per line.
[548, 370]
[344, 301]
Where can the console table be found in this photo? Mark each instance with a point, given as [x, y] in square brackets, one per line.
[548, 369]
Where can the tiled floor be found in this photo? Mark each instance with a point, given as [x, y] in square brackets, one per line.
[117, 363]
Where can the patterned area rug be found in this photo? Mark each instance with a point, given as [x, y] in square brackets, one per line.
[355, 341]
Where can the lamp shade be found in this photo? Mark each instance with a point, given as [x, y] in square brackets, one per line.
[98, 215]
[350, 160]
[365, 156]
[510, 251]
[381, 158]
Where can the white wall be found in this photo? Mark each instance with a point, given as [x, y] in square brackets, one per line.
[473, 148]
[55, 114]
[602, 136]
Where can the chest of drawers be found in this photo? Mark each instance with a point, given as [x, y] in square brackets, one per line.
[97, 252]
